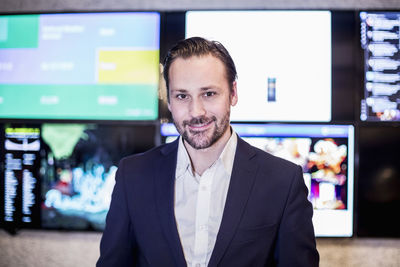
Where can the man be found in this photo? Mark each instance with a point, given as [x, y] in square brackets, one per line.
[209, 198]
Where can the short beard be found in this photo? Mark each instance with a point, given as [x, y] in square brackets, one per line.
[198, 139]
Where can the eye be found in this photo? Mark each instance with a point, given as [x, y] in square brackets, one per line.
[181, 96]
[209, 93]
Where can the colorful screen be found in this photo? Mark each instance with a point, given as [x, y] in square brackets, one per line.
[283, 61]
[20, 153]
[326, 155]
[61, 176]
[98, 66]
[380, 42]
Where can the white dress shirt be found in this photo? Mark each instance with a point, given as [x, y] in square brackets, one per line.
[200, 201]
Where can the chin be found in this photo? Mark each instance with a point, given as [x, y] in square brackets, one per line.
[199, 143]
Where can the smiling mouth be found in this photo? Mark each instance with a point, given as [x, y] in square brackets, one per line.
[200, 126]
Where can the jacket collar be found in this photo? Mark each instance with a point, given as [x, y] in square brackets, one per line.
[242, 181]
[165, 186]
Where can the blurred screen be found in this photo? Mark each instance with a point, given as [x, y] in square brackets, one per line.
[90, 66]
[378, 183]
[20, 179]
[61, 176]
[283, 61]
[326, 155]
[380, 42]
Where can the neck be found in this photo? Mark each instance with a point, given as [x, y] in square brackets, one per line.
[202, 159]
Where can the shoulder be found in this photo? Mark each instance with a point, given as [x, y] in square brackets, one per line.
[281, 178]
[271, 171]
[264, 158]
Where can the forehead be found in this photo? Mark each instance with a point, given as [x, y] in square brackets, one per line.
[200, 70]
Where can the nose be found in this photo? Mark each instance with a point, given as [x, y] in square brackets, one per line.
[197, 108]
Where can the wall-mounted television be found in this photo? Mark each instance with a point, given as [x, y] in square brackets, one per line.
[19, 169]
[326, 155]
[61, 175]
[379, 37]
[80, 66]
[378, 181]
[283, 60]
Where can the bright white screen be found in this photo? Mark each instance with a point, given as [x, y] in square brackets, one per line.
[293, 47]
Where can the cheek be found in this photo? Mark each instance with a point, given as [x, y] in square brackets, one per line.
[218, 110]
[223, 106]
[177, 112]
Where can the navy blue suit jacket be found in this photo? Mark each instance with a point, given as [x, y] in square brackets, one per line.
[266, 220]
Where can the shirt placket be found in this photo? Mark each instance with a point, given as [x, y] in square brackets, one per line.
[202, 218]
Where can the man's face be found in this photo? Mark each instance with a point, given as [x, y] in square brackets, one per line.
[200, 99]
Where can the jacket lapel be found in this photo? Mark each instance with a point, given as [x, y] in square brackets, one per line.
[165, 186]
[242, 180]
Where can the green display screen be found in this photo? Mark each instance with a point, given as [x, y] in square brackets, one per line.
[87, 66]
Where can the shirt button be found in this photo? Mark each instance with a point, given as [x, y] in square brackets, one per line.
[198, 265]
[203, 227]
[204, 188]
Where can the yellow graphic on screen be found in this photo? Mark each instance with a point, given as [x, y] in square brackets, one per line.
[128, 67]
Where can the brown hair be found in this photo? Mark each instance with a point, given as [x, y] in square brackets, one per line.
[197, 46]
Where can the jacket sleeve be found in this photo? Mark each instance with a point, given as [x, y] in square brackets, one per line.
[296, 239]
[118, 245]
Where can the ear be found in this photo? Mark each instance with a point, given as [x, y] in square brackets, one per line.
[169, 106]
[234, 96]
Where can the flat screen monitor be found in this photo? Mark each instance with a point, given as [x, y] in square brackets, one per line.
[20, 184]
[378, 181]
[380, 43]
[61, 176]
[81, 66]
[283, 61]
[326, 155]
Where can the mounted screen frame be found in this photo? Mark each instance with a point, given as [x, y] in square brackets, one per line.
[326, 154]
[379, 101]
[118, 88]
[61, 175]
[345, 53]
[283, 59]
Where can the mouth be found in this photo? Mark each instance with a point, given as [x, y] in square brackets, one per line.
[200, 124]
[198, 127]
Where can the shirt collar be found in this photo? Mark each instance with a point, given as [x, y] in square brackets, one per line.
[227, 157]
[228, 154]
[183, 161]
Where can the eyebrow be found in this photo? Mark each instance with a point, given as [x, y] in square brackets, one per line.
[178, 90]
[210, 87]
[204, 88]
